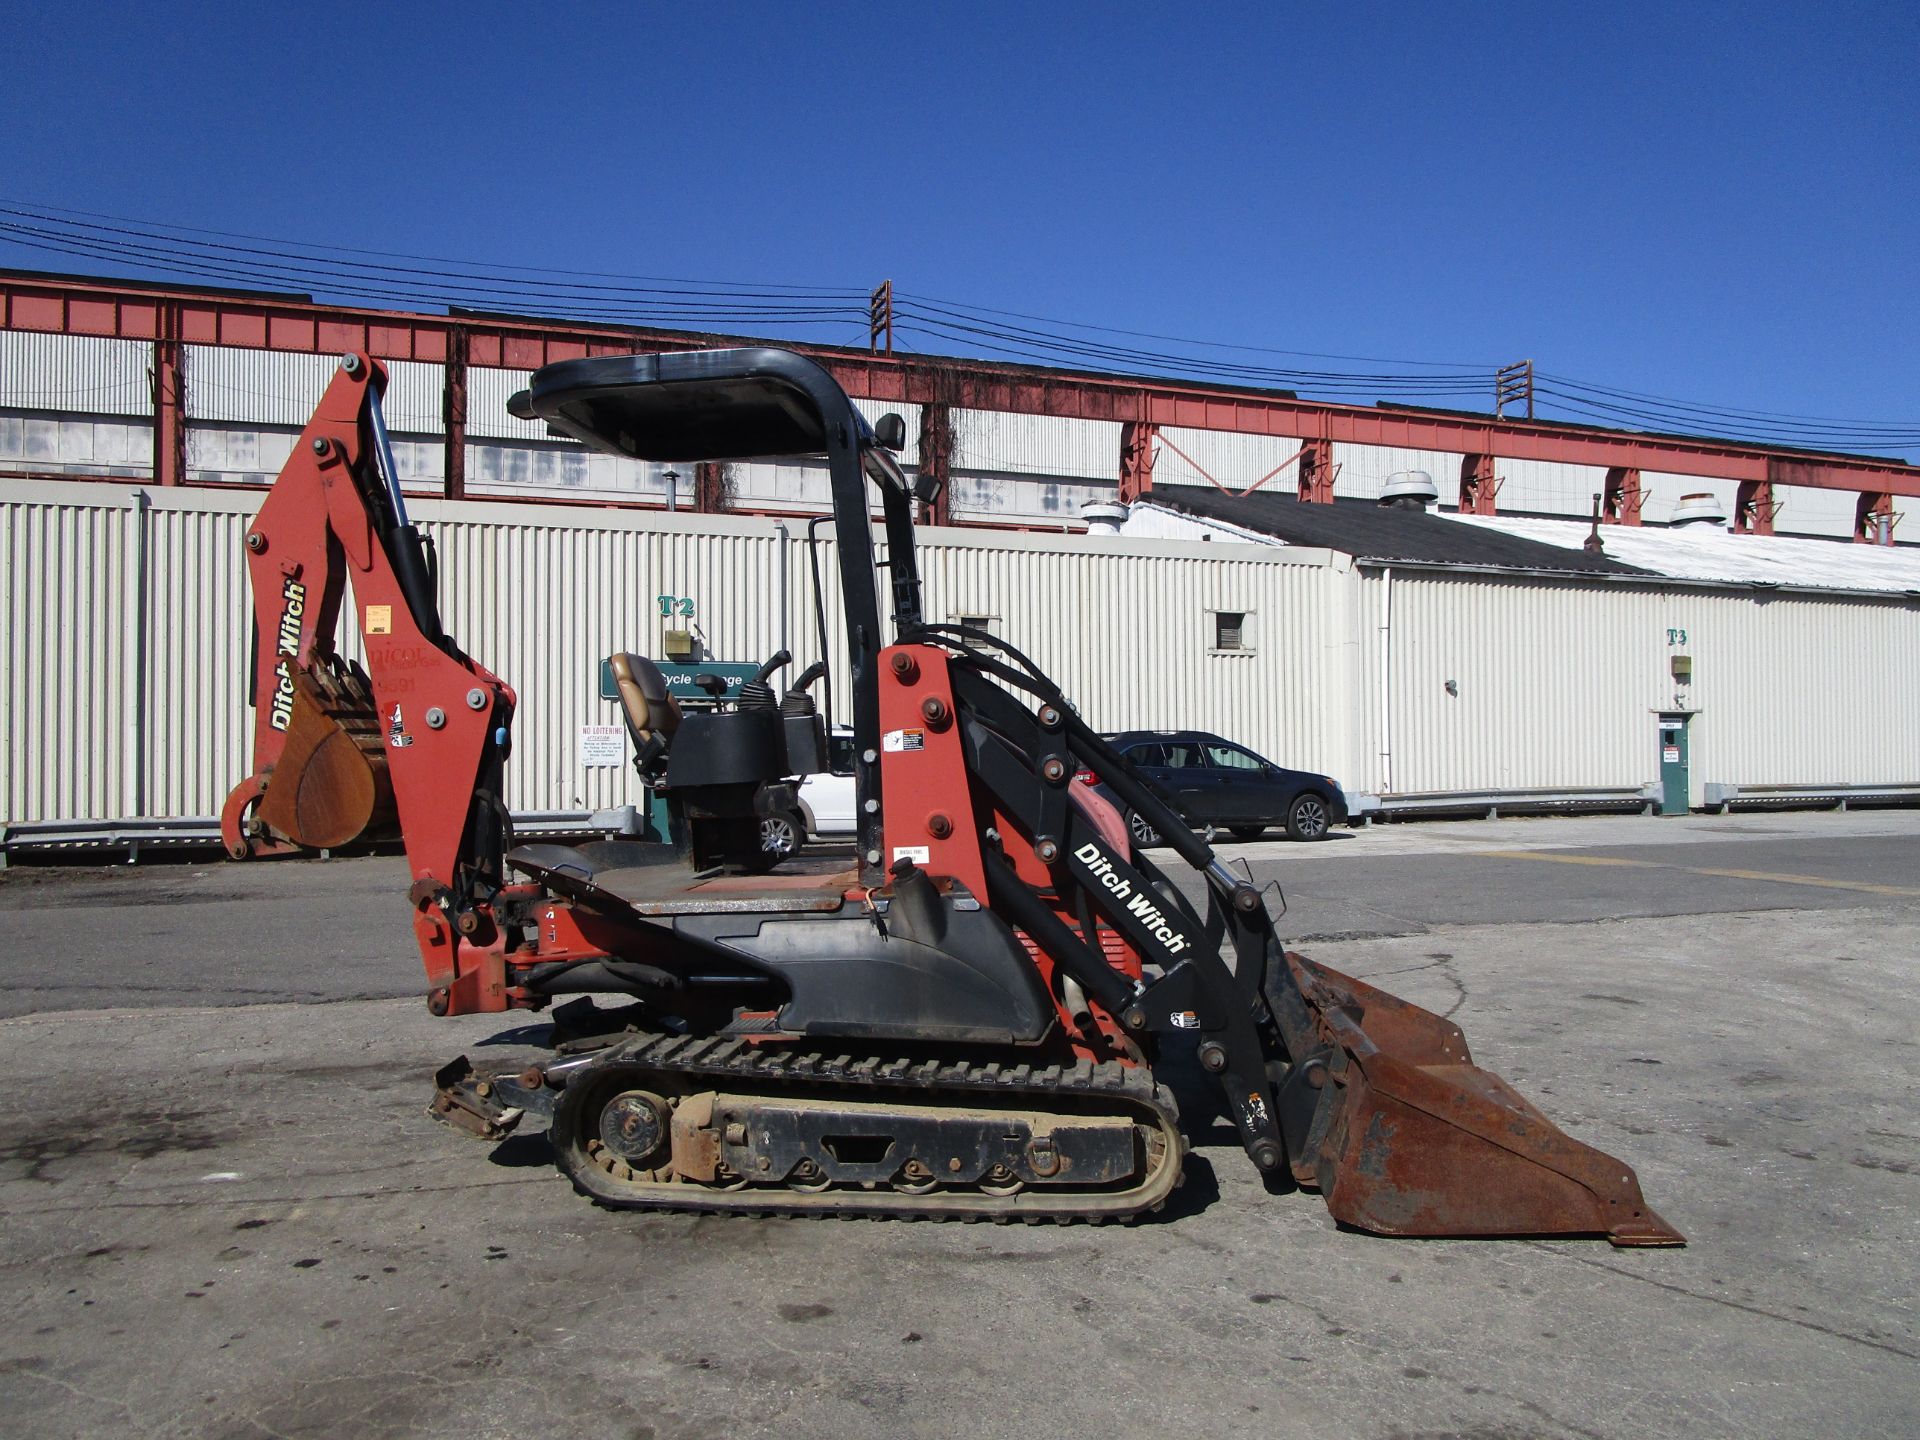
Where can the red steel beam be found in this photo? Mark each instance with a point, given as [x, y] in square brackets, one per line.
[453, 402]
[169, 400]
[1478, 484]
[1137, 451]
[936, 460]
[1620, 503]
[105, 307]
[1753, 508]
[1316, 472]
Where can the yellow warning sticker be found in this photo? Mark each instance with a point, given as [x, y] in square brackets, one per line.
[379, 619]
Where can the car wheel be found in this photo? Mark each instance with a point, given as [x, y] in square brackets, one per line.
[1248, 832]
[782, 835]
[1307, 817]
[1143, 832]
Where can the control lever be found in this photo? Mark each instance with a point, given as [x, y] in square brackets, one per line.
[757, 694]
[797, 701]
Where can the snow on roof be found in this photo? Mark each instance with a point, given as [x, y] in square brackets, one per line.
[1708, 552]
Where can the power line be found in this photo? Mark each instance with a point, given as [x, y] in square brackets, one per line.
[401, 279]
[1187, 340]
[1049, 340]
[57, 210]
[269, 261]
[1666, 402]
[295, 270]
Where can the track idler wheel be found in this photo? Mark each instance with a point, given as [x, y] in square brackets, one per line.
[633, 1129]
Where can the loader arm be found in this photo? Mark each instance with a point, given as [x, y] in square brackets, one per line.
[336, 516]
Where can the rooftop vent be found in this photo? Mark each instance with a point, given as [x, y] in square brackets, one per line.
[1103, 518]
[1700, 509]
[1409, 490]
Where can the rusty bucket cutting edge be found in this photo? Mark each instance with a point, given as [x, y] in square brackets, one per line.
[1421, 1141]
[330, 785]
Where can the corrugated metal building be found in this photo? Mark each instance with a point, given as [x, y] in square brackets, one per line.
[1501, 664]
[83, 405]
[125, 633]
[1510, 655]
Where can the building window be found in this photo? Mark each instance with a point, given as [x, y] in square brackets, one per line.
[1230, 630]
[976, 622]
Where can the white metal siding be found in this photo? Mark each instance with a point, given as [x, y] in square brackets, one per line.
[1363, 470]
[76, 374]
[907, 411]
[1661, 492]
[540, 599]
[1127, 631]
[1557, 682]
[487, 392]
[993, 440]
[198, 727]
[1217, 456]
[82, 403]
[1803, 510]
[43, 444]
[275, 387]
[1540, 487]
[65, 671]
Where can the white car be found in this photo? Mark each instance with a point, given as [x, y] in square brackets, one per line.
[827, 799]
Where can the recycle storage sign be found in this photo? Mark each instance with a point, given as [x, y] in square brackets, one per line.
[680, 679]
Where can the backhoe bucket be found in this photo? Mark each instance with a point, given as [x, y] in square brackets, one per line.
[1418, 1140]
[330, 785]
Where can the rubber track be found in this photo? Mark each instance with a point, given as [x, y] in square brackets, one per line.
[747, 1069]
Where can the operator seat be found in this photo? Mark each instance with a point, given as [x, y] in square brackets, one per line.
[648, 706]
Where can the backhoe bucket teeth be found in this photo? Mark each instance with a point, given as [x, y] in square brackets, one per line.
[1415, 1139]
[330, 785]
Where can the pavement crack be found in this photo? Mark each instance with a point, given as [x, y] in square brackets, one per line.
[33, 1372]
[1444, 965]
[1722, 1300]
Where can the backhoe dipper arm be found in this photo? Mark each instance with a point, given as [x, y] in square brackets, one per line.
[336, 513]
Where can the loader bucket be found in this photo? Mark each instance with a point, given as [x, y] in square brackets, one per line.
[1418, 1140]
[330, 785]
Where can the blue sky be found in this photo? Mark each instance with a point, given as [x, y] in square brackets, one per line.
[1708, 202]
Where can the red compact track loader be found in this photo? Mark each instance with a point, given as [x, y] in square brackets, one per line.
[963, 1021]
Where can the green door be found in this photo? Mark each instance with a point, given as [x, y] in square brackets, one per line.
[1673, 764]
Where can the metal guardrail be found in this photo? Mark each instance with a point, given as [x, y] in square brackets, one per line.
[1724, 798]
[90, 837]
[1492, 804]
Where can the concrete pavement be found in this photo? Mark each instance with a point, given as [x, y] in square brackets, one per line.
[231, 1218]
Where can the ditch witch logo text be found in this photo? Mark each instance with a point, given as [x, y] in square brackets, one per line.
[281, 713]
[1138, 905]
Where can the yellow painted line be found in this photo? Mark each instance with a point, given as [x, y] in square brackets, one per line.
[1769, 876]
[1860, 885]
[1566, 859]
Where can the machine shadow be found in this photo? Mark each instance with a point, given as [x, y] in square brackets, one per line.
[522, 1152]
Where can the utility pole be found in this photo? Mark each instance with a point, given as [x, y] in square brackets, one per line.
[1513, 385]
[880, 318]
